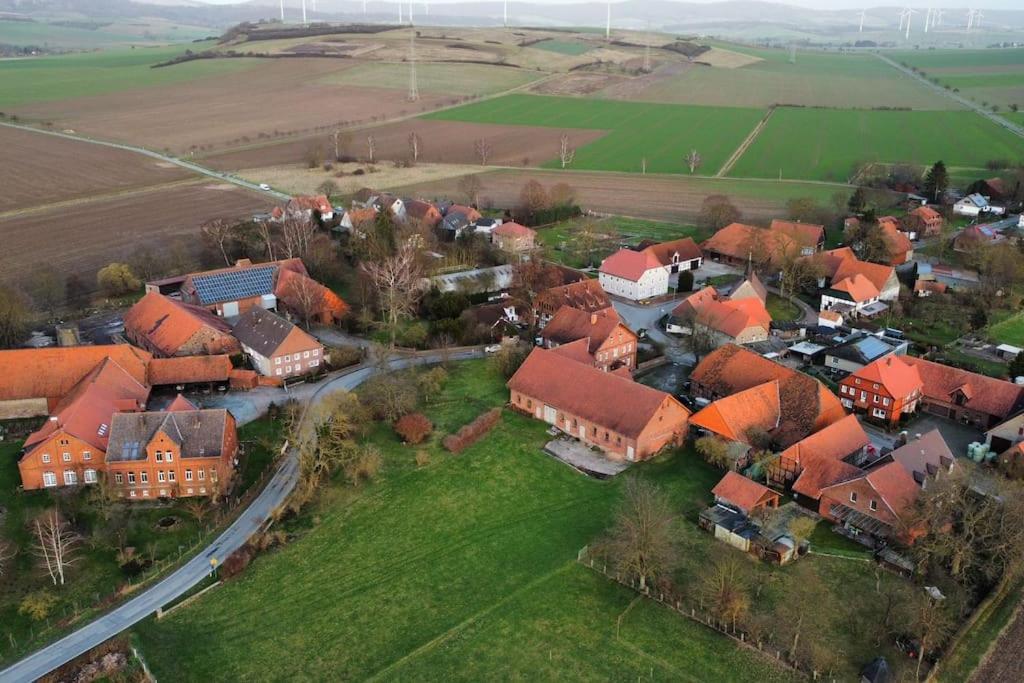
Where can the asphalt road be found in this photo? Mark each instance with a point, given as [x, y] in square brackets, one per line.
[259, 511]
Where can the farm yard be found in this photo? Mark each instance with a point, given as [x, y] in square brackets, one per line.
[660, 133]
[826, 144]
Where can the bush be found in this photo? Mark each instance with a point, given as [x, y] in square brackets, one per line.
[38, 605]
[364, 466]
[389, 397]
[422, 458]
[413, 428]
[473, 432]
[237, 561]
[117, 279]
[344, 356]
[509, 357]
[686, 281]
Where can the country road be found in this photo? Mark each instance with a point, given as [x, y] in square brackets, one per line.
[180, 581]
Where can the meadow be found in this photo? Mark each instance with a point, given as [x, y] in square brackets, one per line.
[450, 79]
[1009, 331]
[823, 144]
[989, 77]
[563, 47]
[98, 35]
[59, 77]
[464, 569]
[660, 133]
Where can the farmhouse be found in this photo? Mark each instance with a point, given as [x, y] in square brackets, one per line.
[820, 457]
[276, 347]
[859, 350]
[180, 452]
[974, 205]
[585, 295]
[900, 248]
[634, 275]
[167, 327]
[967, 397]
[611, 344]
[875, 506]
[925, 221]
[308, 207]
[513, 238]
[626, 420]
[311, 301]
[422, 213]
[737, 243]
[69, 448]
[677, 255]
[886, 390]
[740, 320]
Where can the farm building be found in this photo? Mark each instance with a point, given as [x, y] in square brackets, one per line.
[861, 349]
[974, 205]
[738, 244]
[813, 459]
[967, 397]
[275, 347]
[585, 295]
[647, 272]
[744, 494]
[167, 327]
[742, 320]
[886, 390]
[626, 420]
[610, 343]
[180, 452]
[513, 238]
[925, 221]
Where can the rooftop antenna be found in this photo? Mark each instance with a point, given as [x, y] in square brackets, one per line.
[862, 13]
[608, 23]
[414, 91]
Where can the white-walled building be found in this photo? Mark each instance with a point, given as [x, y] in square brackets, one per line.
[634, 275]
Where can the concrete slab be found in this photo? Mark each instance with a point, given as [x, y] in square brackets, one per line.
[575, 454]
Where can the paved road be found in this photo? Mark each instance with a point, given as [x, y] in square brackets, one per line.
[637, 317]
[195, 168]
[138, 608]
[956, 97]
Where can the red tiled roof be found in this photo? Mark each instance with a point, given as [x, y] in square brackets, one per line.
[724, 315]
[733, 417]
[858, 287]
[876, 273]
[52, 372]
[180, 403]
[930, 286]
[167, 324]
[739, 241]
[578, 351]
[297, 290]
[806, 234]
[586, 295]
[818, 457]
[471, 214]
[744, 493]
[899, 379]
[315, 202]
[513, 229]
[604, 398]
[899, 244]
[629, 265]
[833, 258]
[685, 248]
[988, 395]
[189, 369]
[823, 473]
[926, 214]
[571, 324]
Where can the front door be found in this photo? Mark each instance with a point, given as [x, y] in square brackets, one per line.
[630, 454]
[550, 415]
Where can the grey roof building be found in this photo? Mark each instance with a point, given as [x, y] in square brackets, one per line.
[198, 433]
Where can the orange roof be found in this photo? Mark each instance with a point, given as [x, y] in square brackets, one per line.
[858, 287]
[733, 417]
[818, 457]
[696, 301]
[833, 258]
[189, 369]
[51, 373]
[578, 351]
[298, 291]
[317, 202]
[984, 394]
[607, 399]
[930, 286]
[738, 240]
[876, 273]
[822, 473]
[807, 234]
[899, 379]
[180, 403]
[830, 315]
[586, 295]
[666, 252]
[889, 223]
[167, 324]
[927, 214]
[731, 317]
[629, 265]
[472, 215]
[513, 229]
[746, 494]
[359, 216]
[571, 324]
[899, 243]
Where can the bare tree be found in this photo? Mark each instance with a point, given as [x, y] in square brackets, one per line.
[483, 149]
[197, 506]
[699, 335]
[340, 140]
[932, 626]
[266, 235]
[371, 146]
[642, 541]
[566, 153]
[693, 160]
[297, 233]
[725, 589]
[718, 211]
[304, 298]
[415, 143]
[219, 233]
[470, 186]
[55, 544]
[396, 280]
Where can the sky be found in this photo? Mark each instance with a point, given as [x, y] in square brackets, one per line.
[814, 4]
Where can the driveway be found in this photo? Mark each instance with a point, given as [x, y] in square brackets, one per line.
[249, 521]
[957, 436]
[637, 316]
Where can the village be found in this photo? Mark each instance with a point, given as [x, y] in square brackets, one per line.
[832, 416]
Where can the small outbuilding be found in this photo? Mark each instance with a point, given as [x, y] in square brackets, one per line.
[744, 494]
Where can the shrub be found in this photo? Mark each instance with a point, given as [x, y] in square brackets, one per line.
[237, 561]
[117, 279]
[389, 397]
[422, 458]
[364, 466]
[509, 357]
[38, 605]
[413, 428]
[473, 432]
[344, 356]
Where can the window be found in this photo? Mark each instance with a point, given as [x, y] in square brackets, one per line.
[288, 368]
[131, 477]
[873, 504]
[878, 412]
[853, 496]
[202, 474]
[144, 477]
[70, 477]
[856, 380]
[86, 455]
[170, 475]
[278, 371]
[49, 479]
[202, 489]
[66, 457]
[118, 477]
[63, 442]
[188, 475]
[874, 386]
[305, 354]
[277, 361]
[90, 476]
[145, 493]
[132, 493]
[876, 398]
[46, 457]
[159, 456]
[169, 456]
[316, 352]
[885, 401]
[213, 474]
[314, 363]
[160, 476]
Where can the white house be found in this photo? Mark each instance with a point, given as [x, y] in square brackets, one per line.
[975, 205]
[634, 275]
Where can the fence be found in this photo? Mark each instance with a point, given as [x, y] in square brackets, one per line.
[700, 615]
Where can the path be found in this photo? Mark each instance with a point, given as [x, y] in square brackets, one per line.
[745, 145]
[956, 97]
[195, 570]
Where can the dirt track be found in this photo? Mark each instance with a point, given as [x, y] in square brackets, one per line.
[1004, 664]
[450, 142]
[42, 169]
[85, 238]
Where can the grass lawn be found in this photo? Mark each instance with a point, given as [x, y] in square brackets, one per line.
[42, 79]
[955, 356]
[262, 440]
[563, 47]
[661, 133]
[612, 232]
[825, 144]
[781, 309]
[464, 569]
[452, 79]
[1009, 331]
[826, 541]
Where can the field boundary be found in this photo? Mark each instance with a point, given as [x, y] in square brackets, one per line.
[94, 198]
[745, 145]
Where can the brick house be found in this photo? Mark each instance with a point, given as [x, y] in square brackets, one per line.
[68, 449]
[735, 319]
[182, 451]
[276, 347]
[744, 494]
[513, 238]
[584, 295]
[166, 327]
[626, 420]
[925, 221]
[885, 390]
[967, 397]
[610, 343]
[809, 464]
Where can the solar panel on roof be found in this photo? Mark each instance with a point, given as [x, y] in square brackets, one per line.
[235, 284]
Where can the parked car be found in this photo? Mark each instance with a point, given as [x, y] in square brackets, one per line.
[264, 186]
[493, 348]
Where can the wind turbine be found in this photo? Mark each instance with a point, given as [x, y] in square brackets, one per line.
[410, 12]
[970, 19]
[282, 11]
[927, 19]
[364, 7]
[977, 18]
[903, 17]
[910, 12]
[608, 23]
[504, 15]
[938, 16]
[303, 12]
[399, 12]
[862, 13]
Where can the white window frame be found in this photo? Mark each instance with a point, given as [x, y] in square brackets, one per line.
[159, 456]
[144, 477]
[160, 476]
[169, 456]
[70, 477]
[65, 456]
[131, 478]
[278, 371]
[879, 413]
[188, 475]
[853, 496]
[86, 455]
[277, 361]
[305, 354]
[49, 479]
[118, 477]
[873, 505]
[314, 363]
[46, 458]
[316, 352]
[90, 476]
[202, 473]
[171, 476]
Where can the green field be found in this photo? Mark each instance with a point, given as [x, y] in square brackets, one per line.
[959, 59]
[816, 79]
[989, 77]
[42, 79]
[1009, 331]
[563, 47]
[98, 34]
[826, 144]
[661, 133]
[453, 79]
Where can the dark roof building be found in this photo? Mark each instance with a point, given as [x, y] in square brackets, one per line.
[199, 433]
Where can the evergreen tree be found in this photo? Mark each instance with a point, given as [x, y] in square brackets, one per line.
[858, 200]
[936, 181]
[979, 318]
[685, 282]
[1017, 366]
